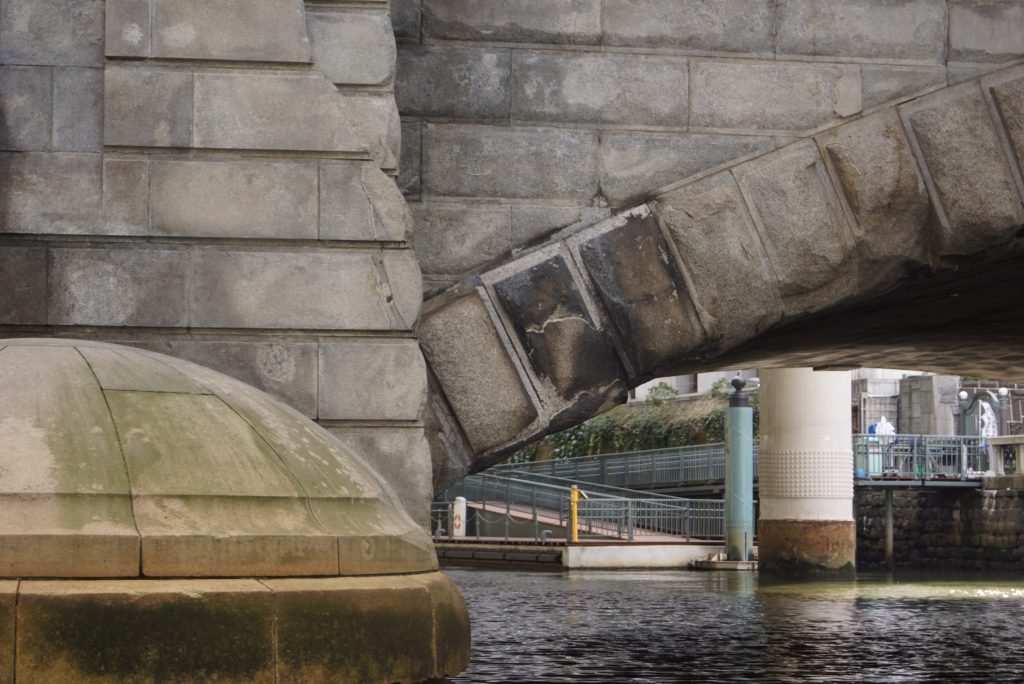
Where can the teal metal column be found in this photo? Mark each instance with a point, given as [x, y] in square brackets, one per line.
[739, 475]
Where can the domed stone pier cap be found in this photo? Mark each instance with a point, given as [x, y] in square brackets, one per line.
[161, 520]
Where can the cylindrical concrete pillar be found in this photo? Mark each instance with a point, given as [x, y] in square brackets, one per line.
[739, 476]
[806, 524]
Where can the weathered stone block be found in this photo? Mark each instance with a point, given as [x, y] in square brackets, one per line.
[352, 47]
[985, 31]
[885, 83]
[51, 32]
[483, 161]
[514, 21]
[643, 293]
[1007, 91]
[147, 106]
[806, 236]
[412, 152]
[285, 369]
[771, 96]
[49, 192]
[599, 88]
[351, 635]
[118, 286]
[453, 82]
[372, 121]
[451, 624]
[268, 31]
[78, 110]
[742, 26]
[878, 175]
[8, 596]
[733, 281]
[480, 379]
[634, 164]
[278, 289]
[128, 28]
[405, 19]
[256, 110]
[402, 457]
[105, 631]
[371, 380]
[360, 202]
[902, 30]
[251, 199]
[967, 167]
[561, 340]
[454, 239]
[26, 103]
[531, 223]
[23, 282]
[125, 195]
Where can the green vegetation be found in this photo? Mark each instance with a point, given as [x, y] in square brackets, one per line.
[661, 421]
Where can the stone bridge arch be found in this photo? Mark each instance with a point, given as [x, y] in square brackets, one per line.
[892, 238]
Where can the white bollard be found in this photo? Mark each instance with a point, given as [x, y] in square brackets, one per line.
[459, 517]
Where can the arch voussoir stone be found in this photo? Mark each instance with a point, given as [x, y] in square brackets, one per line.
[852, 211]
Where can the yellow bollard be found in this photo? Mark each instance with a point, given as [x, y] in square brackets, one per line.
[574, 503]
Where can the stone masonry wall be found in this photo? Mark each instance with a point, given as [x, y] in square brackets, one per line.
[213, 179]
[523, 116]
[943, 529]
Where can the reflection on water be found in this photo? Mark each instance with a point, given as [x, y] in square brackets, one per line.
[688, 626]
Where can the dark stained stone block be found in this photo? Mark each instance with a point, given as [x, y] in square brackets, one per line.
[642, 290]
[560, 338]
[23, 283]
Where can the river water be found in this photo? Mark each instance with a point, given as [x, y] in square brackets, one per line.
[667, 626]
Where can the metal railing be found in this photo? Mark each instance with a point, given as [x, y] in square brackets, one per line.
[920, 457]
[877, 456]
[511, 508]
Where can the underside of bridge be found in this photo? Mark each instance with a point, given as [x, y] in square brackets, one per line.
[596, 192]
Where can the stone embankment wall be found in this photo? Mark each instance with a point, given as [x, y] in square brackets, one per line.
[213, 179]
[523, 116]
[977, 529]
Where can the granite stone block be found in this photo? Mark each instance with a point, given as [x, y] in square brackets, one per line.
[470, 83]
[635, 164]
[481, 161]
[23, 282]
[147, 106]
[412, 152]
[514, 21]
[717, 240]
[771, 96]
[125, 195]
[568, 87]
[78, 110]
[371, 120]
[278, 289]
[367, 379]
[49, 192]
[51, 32]
[405, 19]
[128, 28]
[118, 286]
[733, 26]
[267, 31]
[530, 223]
[256, 110]
[805, 233]
[353, 48]
[454, 238]
[985, 30]
[883, 84]
[26, 102]
[251, 199]
[480, 379]
[360, 202]
[911, 30]
[967, 166]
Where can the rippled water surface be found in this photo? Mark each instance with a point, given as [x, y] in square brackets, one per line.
[589, 626]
